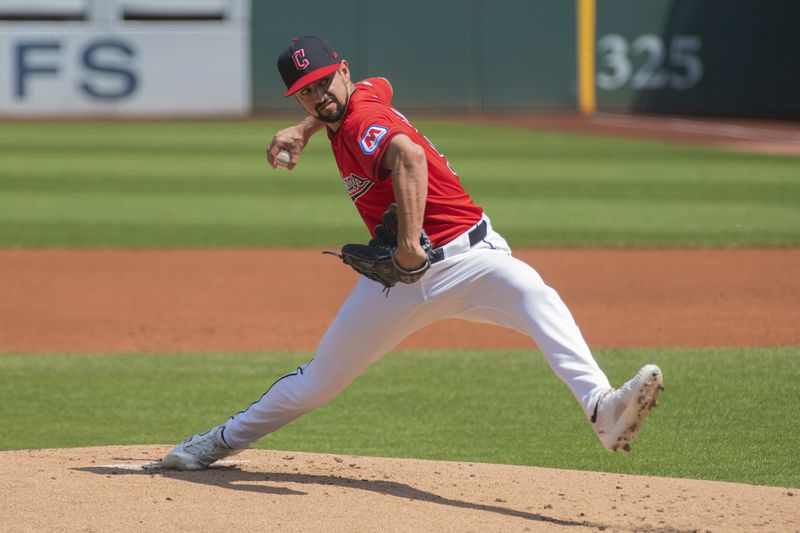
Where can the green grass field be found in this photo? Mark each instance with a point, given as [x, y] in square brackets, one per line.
[206, 184]
[727, 414]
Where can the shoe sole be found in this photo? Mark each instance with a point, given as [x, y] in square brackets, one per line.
[630, 422]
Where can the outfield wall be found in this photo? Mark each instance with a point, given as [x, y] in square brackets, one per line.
[699, 57]
[201, 57]
[466, 55]
[695, 57]
[124, 57]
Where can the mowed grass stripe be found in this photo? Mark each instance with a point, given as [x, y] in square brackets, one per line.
[133, 183]
[726, 414]
[109, 220]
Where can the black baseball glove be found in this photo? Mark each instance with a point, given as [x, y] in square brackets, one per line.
[376, 259]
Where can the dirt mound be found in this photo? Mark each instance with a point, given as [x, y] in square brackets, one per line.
[107, 489]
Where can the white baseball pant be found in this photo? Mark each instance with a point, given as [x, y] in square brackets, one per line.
[480, 283]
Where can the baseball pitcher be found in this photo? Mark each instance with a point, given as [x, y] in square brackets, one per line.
[432, 254]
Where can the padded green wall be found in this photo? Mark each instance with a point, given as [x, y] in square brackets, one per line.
[474, 55]
[449, 55]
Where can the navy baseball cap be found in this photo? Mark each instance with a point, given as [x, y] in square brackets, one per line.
[305, 61]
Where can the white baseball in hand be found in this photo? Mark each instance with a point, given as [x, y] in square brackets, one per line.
[283, 158]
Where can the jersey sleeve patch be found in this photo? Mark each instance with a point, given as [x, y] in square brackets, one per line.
[372, 137]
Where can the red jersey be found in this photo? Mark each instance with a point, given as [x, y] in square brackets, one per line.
[369, 125]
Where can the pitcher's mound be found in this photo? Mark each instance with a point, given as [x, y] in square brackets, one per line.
[111, 489]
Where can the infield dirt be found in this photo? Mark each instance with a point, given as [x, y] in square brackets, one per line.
[250, 300]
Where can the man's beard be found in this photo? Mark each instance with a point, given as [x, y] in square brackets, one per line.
[337, 114]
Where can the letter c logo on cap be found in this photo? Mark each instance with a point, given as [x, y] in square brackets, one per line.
[300, 60]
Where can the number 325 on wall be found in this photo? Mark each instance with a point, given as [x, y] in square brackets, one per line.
[681, 69]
